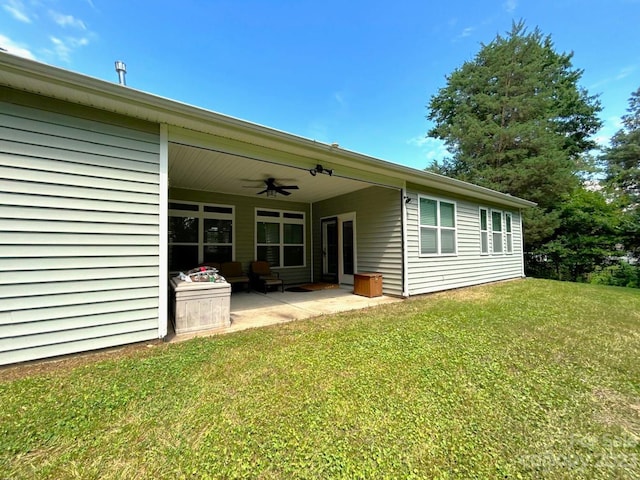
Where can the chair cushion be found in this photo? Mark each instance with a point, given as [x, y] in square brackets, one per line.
[231, 269]
[261, 268]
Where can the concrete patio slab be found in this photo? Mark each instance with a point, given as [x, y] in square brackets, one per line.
[256, 309]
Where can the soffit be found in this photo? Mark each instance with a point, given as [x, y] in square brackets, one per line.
[206, 170]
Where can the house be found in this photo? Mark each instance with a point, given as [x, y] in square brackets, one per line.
[106, 189]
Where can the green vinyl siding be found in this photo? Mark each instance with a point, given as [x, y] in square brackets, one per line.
[79, 230]
[378, 232]
[471, 265]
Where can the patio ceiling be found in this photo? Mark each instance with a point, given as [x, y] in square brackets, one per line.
[203, 169]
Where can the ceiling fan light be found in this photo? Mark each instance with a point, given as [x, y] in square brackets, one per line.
[271, 193]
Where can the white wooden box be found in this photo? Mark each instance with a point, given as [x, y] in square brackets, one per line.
[200, 305]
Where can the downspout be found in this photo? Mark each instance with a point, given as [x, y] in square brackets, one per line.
[163, 225]
[405, 261]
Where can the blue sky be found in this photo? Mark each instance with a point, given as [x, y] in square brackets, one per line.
[359, 73]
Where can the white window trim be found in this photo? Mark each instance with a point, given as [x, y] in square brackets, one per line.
[502, 237]
[439, 228]
[200, 214]
[487, 231]
[508, 235]
[282, 221]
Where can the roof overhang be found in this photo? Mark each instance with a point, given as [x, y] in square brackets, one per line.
[189, 121]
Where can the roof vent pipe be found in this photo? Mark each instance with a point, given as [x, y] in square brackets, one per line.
[121, 68]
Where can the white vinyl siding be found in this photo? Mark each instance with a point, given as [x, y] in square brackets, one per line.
[79, 232]
[437, 227]
[469, 267]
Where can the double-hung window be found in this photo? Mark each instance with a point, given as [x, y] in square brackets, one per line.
[280, 238]
[437, 227]
[199, 233]
[484, 231]
[496, 231]
[509, 233]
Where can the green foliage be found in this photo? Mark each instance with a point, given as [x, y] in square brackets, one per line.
[515, 118]
[512, 380]
[622, 274]
[622, 158]
[622, 173]
[585, 238]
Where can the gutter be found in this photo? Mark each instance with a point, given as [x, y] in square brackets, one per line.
[82, 89]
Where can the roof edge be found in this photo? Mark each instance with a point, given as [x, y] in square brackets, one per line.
[165, 108]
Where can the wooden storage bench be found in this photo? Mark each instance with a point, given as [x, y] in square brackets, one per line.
[367, 284]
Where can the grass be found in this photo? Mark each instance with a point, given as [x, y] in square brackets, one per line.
[527, 379]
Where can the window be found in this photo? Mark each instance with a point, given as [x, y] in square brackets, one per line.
[437, 227]
[496, 229]
[484, 231]
[509, 233]
[280, 238]
[199, 233]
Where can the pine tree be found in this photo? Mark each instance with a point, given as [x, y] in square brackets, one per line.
[622, 173]
[622, 158]
[515, 120]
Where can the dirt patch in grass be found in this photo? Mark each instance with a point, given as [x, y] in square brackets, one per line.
[616, 409]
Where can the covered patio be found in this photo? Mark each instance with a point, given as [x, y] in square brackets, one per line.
[256, 309]
[300, 205]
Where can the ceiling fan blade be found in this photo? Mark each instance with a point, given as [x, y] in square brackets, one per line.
[263, 191]
[283, 192]
[289, 187]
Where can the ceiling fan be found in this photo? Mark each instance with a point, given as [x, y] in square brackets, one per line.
[271, 188]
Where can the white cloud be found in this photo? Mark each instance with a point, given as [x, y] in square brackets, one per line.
[67, 20]
[510, 5]
[432, 149]
[63, 48]
[17, 10]
[15, 48]
[467, 32]
[626, 71]
[621, 75]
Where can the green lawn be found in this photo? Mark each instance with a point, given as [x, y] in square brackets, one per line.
[524, 379]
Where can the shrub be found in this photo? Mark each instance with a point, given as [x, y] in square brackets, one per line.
[621, 274]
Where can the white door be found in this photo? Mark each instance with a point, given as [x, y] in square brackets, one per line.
[347, 261]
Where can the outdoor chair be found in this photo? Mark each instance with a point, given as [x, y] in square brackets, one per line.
[262, 277]
[233, 274]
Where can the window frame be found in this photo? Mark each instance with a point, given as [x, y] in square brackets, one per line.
[200, 214]
[282, 220]
[508, 232]
[494, 232]
[484, 232]
[438, 228]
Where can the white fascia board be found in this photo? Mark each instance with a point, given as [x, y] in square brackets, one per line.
[39, 78]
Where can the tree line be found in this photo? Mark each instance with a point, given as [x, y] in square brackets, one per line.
[515, 119]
